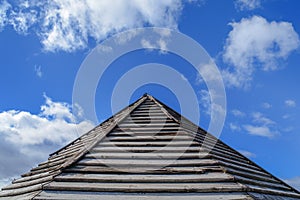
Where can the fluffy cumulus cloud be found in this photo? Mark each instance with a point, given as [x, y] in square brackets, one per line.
[256, 44]
[68, 25]
[27, 138]
[247, 4]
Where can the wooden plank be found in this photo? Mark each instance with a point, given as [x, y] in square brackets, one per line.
[145, 178]
[276, 185]
[251, 175]
[143, 170]
[151, 129]
[147, 138]
[145, 187]
[28, 183]
[127, 133]
[148, 163]
[77, 195]
[146, 149]
[153, 143]
[149, 125]
[243, 169]
[254, 188]
[33, 177]
[20, 191]
[150, 156]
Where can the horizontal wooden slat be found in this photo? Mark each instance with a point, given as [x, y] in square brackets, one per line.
[75, 195]
[154, 143]
[28, 183]
[150, 156]
[166, 149]
[145, 187]
[148, 138]
[146, 163]
[144, 170]
[144, 178]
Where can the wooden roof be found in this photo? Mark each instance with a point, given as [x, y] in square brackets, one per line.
[148, 151]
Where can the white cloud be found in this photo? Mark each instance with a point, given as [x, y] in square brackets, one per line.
[27, 139]
[234, 127]
[290, 103]
[247, 4]
[68, 25]
[286, 116]
[237, 113]
[248, 154]
[38, 70]
[263, 130]
[208, 107]
[266, 105]
[295, 182]
[262, 126]
[22, 19]
[205, 101]
[4, 7]
[254, 43]
[209, 71]
[55, 123]
[261, 119]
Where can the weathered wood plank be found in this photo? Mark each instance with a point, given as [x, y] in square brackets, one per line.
[144, 178]
[145, 187]
[28, 183]
[61, 195]
[150, 156]
[153, 143]
[166, 149]
[149, 163]
[143, 170]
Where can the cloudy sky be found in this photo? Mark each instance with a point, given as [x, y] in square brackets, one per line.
[254, 43]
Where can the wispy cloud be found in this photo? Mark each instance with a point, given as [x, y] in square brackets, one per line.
[256, 44]
[237, 113]
[248, 154]
[261, 119]
[4, 7]
[38, 70]
[266, 105]
[290, 103]
[263, 130]
[286, 116]
[234, 127]
[295, 182]
[261, 126]
[68, 26]
[247, 4]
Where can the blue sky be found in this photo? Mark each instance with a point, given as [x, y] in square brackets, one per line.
[254, 43]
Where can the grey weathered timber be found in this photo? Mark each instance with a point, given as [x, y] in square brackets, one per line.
[148, 151]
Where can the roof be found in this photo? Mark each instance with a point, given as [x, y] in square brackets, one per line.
[148, 151]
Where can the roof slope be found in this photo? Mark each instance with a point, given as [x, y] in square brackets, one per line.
[148, 151]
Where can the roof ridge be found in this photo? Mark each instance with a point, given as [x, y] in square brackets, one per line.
[127, 111]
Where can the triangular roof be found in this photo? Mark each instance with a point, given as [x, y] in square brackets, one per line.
[148, 151]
